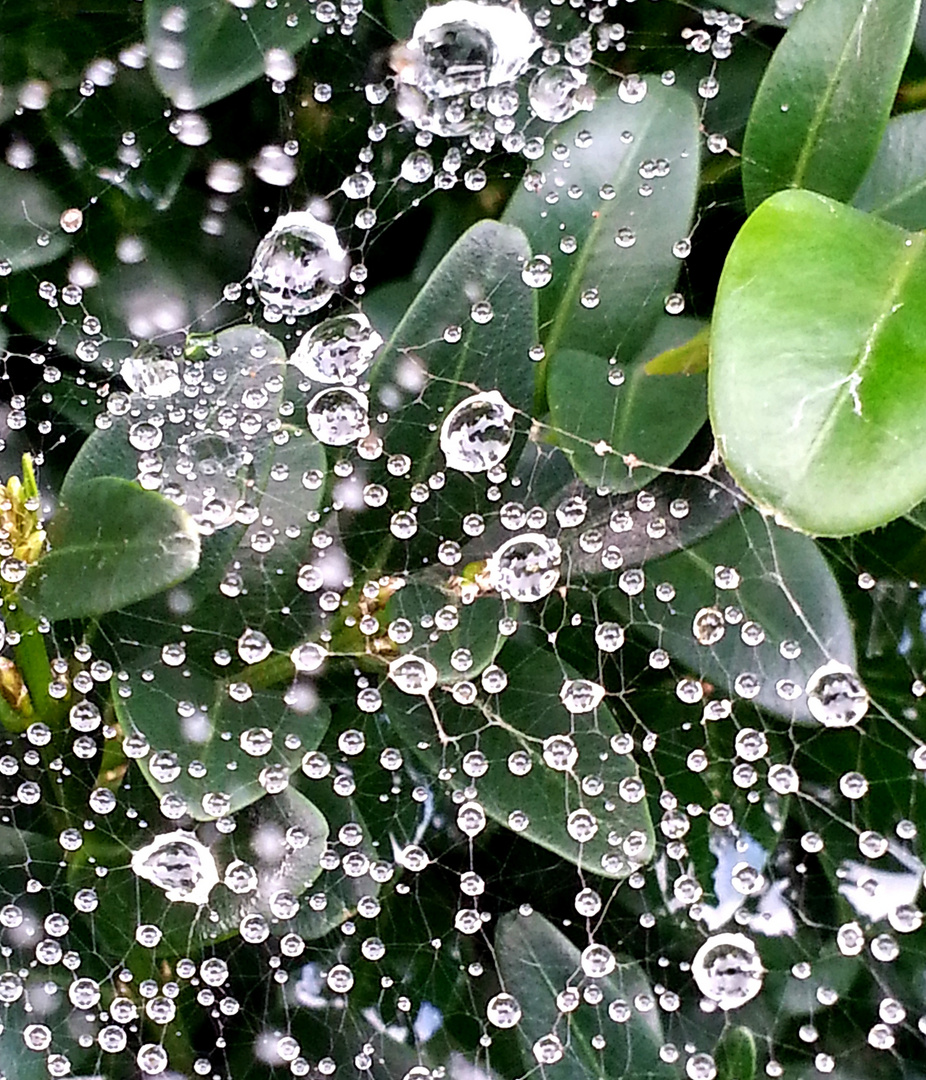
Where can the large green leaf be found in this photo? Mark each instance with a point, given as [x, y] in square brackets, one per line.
[520, 718]
[604, 298]
[225, 737]
[817, 382]
[209, 48]
[784, 586]
[608, 426]
[536, 963]
[111, 544]
[30, 234]
[826, 97]
[425, 373]
[438, 355]
[894, 187]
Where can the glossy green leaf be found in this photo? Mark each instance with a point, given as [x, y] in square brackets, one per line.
[826, 97]
[213, 47]
[894, 187]
[619, 434]
[426, 373]
[605, 298]
[111, 544]
[238, 744]
[528, 712]
[30, 233]
[536, 962]
[735, 1054]
[780, 583]
[817, 383]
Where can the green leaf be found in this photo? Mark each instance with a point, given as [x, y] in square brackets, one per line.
[648, 417]
[215, 731]
[520, 718]
[281, 865]
[427, 373]
[216, 47]
[476, 628]
[29, 213]
[536, 962]
[894, 187]
[817, 383]
[735, 1054]
[785, 586]
[111, 544]
[631, 281]
[826, 97]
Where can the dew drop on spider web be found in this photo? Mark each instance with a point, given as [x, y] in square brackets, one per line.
[298, 265]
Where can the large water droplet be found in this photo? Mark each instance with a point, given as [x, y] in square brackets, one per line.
[478, 432]
[836, 696]
[337, 350]
[558, 93]
[298, 264]
[413, 675]
[526, 567]
[180, 865]
[151, 372]
[727, 969]
[339, 416]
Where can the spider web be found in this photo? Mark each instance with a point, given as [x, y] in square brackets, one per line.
[492, 878]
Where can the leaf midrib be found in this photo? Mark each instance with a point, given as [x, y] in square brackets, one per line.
[810, 141]
[853, 379]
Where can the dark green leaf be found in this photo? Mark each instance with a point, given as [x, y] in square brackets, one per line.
[476, 628]
[817, 381]
[30, 233]
[214, 47]
[785, 586]
[216, 731]
[521, 718]
[111, 544]
[826, 97]
[620, 436]
[629, 284]
[536, 962]
[429, 374]
[290, 863]
[894, 187]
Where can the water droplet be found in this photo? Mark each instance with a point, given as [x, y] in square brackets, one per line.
[708, 626]
[557, 93]
[298, 264]
[503, 1011]
[337, 350]
[581, 695]
[526, 567]
[180, 865]
[339, 416]
[632, 89]
[413, 675]
[477, 433]
[836, 696]
[727, 969]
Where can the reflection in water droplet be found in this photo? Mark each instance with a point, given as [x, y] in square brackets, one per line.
[298, 264]
[152, 373]
[836, 696]
[180, 865]
[503, 1010]
[413, 675]
[727, 969]
[526, 567]
[337, 350]
[339, 416]
[477, 433]
[557, 93]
